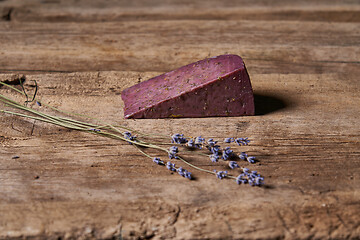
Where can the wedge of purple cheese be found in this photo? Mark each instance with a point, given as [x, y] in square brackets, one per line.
[217, 86]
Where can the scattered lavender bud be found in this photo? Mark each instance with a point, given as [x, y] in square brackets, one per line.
[172, 152]
[251, 159]
[245, 170]
[184, 173]
[214, 157]
[229, 140]
[38, 103]
[158, 161]
[15, 157]
[226, 154]
[171, 166]
[242, 141]
[220, 174]
[233, 164]
[128, 135]
[243, 156]
[178, 138]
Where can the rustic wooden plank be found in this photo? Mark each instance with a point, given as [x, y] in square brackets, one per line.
[308, 150]
[267, 47]
[95, 11]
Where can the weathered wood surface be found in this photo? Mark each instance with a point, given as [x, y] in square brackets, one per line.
[303, 58]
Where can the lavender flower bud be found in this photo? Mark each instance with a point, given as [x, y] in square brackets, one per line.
[191, 143]
[171, 166]
[240, 179]
[243, 156]
[228, 140]
[199, 141]
[226, 154]
[214, 157]
[178, 138]
[233, 164]
[128, 135]
[184, 173]
[215, 149]
[251, 159]
[220, 174]
[94, 129]
[188, 175]
[211, 142]
[158, 161]
[172, 152]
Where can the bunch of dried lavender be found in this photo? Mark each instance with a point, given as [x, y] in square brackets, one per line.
[131, 136]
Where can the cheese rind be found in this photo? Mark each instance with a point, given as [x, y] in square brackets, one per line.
[218, 86]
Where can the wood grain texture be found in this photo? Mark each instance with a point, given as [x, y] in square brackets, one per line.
[303, 59]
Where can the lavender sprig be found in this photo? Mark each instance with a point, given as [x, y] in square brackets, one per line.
[110, 131]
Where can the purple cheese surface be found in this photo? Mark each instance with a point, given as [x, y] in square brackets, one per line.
[217, 86]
